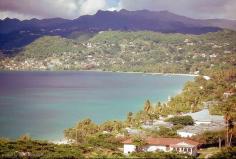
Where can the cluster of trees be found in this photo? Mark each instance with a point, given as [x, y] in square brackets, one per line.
[96, 146]
[28, 148]
[101, 139]
[147, 114]
[182, 120]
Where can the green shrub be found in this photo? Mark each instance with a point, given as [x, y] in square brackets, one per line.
[182, 120]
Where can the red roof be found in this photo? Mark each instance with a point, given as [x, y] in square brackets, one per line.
[165, 141]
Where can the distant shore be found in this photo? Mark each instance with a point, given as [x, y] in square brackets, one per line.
[146, 73]
[128, 72]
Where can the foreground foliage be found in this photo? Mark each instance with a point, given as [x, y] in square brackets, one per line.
[160, 155]
[37, 149]
[97, 146]
[229, 153]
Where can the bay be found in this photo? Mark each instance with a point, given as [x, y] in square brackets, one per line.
[43, 104]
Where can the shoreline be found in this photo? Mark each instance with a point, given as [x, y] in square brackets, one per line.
[128, 72]
[146, 73]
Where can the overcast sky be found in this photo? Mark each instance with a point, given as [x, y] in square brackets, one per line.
[70, 9]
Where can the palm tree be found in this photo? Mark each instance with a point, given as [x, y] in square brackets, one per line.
[148, 107]
[229, 126]
[229, 110]
[129, 118]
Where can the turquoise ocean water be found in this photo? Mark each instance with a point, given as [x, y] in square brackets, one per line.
[43, 104]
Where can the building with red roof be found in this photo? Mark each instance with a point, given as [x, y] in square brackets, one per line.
[180, 145]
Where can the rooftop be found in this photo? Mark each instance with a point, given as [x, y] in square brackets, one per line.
[198, 129]
[204, 115]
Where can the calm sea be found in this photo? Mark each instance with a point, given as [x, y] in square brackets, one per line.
[43, 104]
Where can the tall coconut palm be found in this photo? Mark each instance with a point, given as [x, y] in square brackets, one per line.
[148, 107]
[229, 110]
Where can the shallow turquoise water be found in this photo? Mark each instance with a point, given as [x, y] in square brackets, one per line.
[43, 104]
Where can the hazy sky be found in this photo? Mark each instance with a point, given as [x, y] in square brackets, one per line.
[70, 9]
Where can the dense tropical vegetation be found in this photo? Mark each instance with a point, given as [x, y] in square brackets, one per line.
[37, 149]
[95, 146]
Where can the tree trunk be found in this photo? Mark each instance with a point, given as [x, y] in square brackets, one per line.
[219, 143]
[230, 140]
[227, 133]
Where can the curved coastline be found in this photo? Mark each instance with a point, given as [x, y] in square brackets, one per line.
[129, 72]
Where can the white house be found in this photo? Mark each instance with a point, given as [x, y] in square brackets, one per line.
[164, 144]
[184, 133]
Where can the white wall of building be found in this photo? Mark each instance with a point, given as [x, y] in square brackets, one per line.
[202, 122]
[129, 148]
[153, 148]
[185, 134]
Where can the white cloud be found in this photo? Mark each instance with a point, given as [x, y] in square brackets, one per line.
[190, 8]
[39, 8]
[50, 8]
[71, 9]
[230, 10]
[92, 6]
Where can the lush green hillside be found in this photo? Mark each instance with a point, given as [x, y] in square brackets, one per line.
[47, 46]
[129, 51]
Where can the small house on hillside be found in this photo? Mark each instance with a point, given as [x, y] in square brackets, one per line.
[164, 144]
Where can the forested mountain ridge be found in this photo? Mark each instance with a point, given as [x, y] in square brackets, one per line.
[15, 34]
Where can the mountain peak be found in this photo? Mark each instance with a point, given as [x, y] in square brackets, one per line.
[9, 19]
[164, 11]
[103, 11]
[123, 11]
